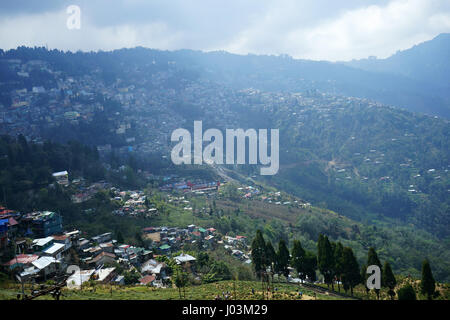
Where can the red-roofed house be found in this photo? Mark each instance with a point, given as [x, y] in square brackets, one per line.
[147, 280]
[21, 260]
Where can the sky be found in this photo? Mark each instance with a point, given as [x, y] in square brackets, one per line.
[318, 30]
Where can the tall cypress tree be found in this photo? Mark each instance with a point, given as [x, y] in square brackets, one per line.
[325, 259]
[427, 285]
[282, 260]
[372, 259]
[309, 265]
[270, 257]
[298, 256]
[259, 258]
[389, 279]
[338, 263]
[350, 270]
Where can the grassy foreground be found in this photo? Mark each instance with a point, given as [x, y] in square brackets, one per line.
[241, 290]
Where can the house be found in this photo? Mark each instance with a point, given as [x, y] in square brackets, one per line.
[78, 278]
[105, 237]
[83, 244]
[61, 177]
[107, 247]
[184, 259]
[63, 239]
[165, 248]
[103, 258]
[104, 275]
[209, 239]
[47, 266]
[153, 267]
[21, 261]
[56, 250]
[42, 244]
[147, 280]
[44, 224]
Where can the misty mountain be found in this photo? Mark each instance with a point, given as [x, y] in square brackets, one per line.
[414, 79]
[426, 62]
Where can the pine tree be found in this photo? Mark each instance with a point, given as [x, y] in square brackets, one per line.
[310, 265]
[389, 279]
[427, 285]
[298, 255]
[350, 270]
[282, 260]
[372, 259]
[338, 263]
[270, 257]
[325, 259]
[259, 258]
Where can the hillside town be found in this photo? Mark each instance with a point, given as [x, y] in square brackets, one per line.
[45, 251]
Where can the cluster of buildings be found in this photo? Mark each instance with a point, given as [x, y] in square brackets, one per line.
[188, 186]
[171, 239]
[133, 203]
[43, 251]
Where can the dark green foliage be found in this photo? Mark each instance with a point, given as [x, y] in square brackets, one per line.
[259, 259]
[282, 259]
[298, 256]
[388, 279]
[309, 265]
[325, 259]
[338, 262]
[26, 171]
[131, 277]
[350, 270]
[270, 256]
[427, 285]
[407, 293]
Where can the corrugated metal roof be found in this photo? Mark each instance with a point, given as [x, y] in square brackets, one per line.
[44, 262]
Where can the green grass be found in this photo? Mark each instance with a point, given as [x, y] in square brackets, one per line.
[243, 291]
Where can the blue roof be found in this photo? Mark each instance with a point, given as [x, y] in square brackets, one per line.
[4, 221]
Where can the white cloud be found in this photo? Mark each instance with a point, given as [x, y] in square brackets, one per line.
[358, 33]
[314, 30]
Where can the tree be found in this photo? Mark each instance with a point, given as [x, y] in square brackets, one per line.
[372, 259]
[131, 277]
[338, 263]
[181, 280]
[282, 259]
[406, 293]
[325, 259]
[259, 258]
[389, 279]
[120, 237]
[350, 270]
[298, 255]
[309, 265]
[270, 257]
[427, 285]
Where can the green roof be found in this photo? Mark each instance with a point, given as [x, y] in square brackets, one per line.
[165, 247]
[201, 230]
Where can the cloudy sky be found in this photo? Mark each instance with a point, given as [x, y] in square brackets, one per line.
[317, 29]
